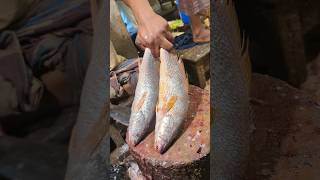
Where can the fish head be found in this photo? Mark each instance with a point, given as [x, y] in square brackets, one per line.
[136, 128]
[165, 132]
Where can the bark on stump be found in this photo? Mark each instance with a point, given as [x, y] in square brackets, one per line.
[188, 157]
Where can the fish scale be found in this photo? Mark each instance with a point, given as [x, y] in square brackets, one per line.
[145, 99]
[173, 100]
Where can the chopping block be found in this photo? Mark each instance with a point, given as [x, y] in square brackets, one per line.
[197, 62]
[188, 157]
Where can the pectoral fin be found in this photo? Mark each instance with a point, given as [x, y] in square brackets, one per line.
[167, 105]
[137, 105]
[171, 102]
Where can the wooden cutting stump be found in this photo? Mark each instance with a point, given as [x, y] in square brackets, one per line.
[188, 157]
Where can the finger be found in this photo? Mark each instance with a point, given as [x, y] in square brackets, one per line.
[139, 42]
[165, 44]
[169, 36]
[155, 50]
[140, 45]
[146, 42]
[153, 44]
[168, 33]
[143, 47]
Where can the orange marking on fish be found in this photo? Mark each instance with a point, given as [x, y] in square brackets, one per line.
[140, 102]
[171, 102]
[168, 105]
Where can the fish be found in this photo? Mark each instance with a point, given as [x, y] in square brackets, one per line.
[143, 108]
[120, 114]
[172, 107]
[134, 172]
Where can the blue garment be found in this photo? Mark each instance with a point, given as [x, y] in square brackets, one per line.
[127, 22]
[183, 16]
[185, 41]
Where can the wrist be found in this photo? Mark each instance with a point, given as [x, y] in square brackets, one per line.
[145, 17]
[142, 11]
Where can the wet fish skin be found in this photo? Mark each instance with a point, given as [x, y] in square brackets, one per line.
[173, 100]
[145, 100]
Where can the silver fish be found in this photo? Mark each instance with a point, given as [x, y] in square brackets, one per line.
[173, 100]
[145, 100]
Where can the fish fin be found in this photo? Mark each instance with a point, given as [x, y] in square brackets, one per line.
[161, 109]
[167, 105]
[157, 107]
[181, 66]
[170, 103]
[182, 71]
[162, 88]
[139, 62]
[139, 103]
[161, 97]
[160, 106]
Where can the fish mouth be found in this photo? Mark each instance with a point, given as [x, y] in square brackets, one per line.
[161, 141]
[134, 139]
[136, 130]
[160, 145]
[163, 145]
[165, 134]
[140, 128]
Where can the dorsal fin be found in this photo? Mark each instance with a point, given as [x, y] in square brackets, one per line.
[183, 72]
[139, 62]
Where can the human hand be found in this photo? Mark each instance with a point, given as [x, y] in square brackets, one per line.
[154, 33]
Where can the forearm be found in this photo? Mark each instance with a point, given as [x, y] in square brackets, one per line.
[141, 9]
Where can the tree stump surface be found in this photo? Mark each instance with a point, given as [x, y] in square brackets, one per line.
[188, 157]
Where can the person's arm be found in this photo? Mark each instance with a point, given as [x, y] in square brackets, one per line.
[140, 8]
[153, 30]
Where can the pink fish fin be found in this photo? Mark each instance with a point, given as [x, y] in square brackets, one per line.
[157, 106]
[165, 105]
[137, 105]
[170, 103]
[139, 63]
[160, 108]
[181, 66]
[183, 72]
